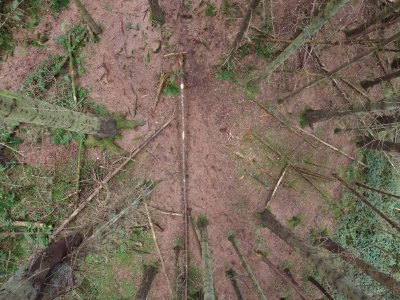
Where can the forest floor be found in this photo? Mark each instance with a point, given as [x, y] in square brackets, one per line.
[230, 174]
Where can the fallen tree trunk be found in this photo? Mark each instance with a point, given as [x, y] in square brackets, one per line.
[27, 282]
[231, 274]
[246, 266]
[208, 282]
[377, 145]
[394, 37]
[330, 10]
[27, 110]
[243, 27]
[88, 18]
[364, 199]
[381, 16]
[327, 271]
[149, 273]
[366, 84]
[384, 279]
[312, 116]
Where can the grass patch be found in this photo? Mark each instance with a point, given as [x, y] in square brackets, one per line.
[295, 221]
[211, 10]
[226, 75]
[171, 88]
[23, 14]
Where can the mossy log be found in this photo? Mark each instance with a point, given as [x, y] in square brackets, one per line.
[14, 107]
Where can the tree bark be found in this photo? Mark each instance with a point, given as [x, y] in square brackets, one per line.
[364, 199]
[157, 14]
[243, 27]
[386, 280]
[378, 145]
[88, 18]
[381, 16]
[149, 273]
[208, 282]
[22, 109]
[231, 274]
[330, 273]
[341, 67]
[27, 282]
[330, 10]
[246, 266]
[320, 287]
[312, 116]
[366, 84]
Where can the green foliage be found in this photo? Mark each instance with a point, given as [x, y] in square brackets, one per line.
[58, 5]
[225, 75]
[171, 89]
[211, 10]
[303, 121]
[99, 109]
[103, 144]
[363, 232]
[64, 137]
[22, 14]
[295, 221]
[264, 50]
[34, 194]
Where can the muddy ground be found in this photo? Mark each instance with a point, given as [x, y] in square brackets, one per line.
[221, 152]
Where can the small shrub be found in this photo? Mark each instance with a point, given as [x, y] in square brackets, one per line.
[211, 10]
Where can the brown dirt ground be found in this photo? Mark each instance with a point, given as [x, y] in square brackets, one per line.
[219, 120]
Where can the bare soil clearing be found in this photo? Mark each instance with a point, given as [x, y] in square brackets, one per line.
[222, 153]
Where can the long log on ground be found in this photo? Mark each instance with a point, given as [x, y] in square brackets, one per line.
[329, 11]
[206, 259]
[88, 18]
[285, 278]
[149, 273]
[364, 199]
[327, 271]
[246, 266]
[378, 145]
[366, 84]
[243, 27]
[27, 282]
[28, 110]
[384, 14]
[384, 279]
[320, 287]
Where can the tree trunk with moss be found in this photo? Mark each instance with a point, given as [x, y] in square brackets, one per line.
[319, 263]
[156, 12]
[311, 116]
[208, 282]
[379, 17]
[14, 107]
[330, 10]
[384, 279]
[88, 18]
